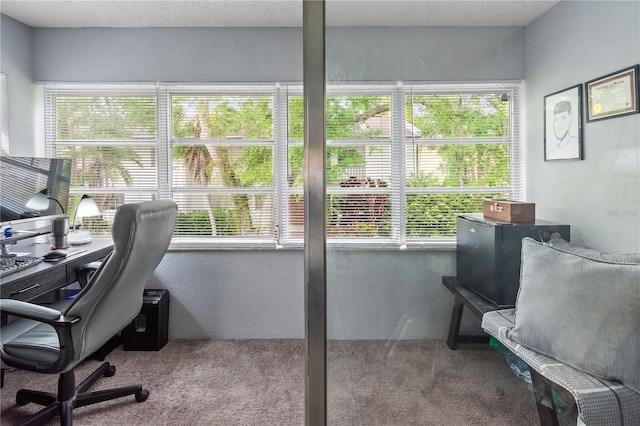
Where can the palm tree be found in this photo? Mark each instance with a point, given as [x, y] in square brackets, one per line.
[102, 118]
[203, 162]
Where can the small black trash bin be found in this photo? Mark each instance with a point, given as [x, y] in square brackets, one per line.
[149, 331]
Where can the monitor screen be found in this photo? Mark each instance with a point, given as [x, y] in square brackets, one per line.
[23, 178]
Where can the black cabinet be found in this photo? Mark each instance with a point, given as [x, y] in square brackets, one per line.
[488, 254]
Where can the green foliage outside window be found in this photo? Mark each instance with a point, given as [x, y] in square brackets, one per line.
[434, 215]
[193, 223]
[345, 120]
[463, 165]
[103, 118]
[454, 129]
[230, 118]
[227, 222]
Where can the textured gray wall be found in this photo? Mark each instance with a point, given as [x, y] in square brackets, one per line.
[168, 54]
[388, 294]
[16, 63]
[425, 54]
[275, 54]
[600, 196]
[260, 293]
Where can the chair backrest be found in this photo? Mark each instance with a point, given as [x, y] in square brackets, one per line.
[113, 296]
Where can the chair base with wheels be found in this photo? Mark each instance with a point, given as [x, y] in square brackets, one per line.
[69, 396]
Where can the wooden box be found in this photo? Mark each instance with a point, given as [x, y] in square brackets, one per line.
[509, 211]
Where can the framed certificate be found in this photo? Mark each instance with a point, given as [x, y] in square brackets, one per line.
[613, 95]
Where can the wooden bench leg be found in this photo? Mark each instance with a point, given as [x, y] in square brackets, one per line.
[544, 400]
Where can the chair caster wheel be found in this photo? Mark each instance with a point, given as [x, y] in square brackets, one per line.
[142, 396]
[110, 371]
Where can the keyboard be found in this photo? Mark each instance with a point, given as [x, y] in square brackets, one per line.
[9, 265]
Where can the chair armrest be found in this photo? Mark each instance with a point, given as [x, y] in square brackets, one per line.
[87, 270]
[92, 265]
[29, 310]
[61, 324]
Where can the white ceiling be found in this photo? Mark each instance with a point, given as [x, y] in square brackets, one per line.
[270, 13]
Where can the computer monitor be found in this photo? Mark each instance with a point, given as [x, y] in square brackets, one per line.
[23, 178]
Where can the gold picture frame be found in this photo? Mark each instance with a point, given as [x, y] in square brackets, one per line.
[613, 95]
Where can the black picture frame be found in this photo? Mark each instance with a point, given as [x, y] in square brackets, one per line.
[563, 125]
[613, 95]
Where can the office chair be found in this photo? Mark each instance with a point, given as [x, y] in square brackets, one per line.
[108, 302]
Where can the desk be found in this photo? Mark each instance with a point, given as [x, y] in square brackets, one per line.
[45, 277]
[477, 304]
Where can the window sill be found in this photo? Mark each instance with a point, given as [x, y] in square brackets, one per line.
[208, 245]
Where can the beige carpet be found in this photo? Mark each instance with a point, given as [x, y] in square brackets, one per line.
[261, 382]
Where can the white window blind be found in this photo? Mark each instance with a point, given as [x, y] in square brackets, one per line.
[402, 159]
[222, 156]
[466, 149]
[360, 137]
[110, 133]
[358, 161]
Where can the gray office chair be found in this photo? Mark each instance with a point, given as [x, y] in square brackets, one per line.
[110, 300]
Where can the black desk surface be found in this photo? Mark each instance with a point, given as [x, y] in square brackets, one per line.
[48, 276]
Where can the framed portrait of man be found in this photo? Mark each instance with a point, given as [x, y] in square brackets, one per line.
[563, 125]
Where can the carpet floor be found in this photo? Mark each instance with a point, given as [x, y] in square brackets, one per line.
[261, 382]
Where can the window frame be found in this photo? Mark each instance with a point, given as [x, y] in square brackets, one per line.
[516, 188]
[280, 92]
[167, 92]
[53, 145]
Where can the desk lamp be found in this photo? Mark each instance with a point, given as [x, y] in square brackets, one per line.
[40, 201]
[86, 207]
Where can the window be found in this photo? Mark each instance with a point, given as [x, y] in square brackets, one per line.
[464, 148]
[402, 159]
[112, 136]
[222, 155]
[358, 163]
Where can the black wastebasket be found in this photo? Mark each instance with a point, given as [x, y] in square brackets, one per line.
[149, 331]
